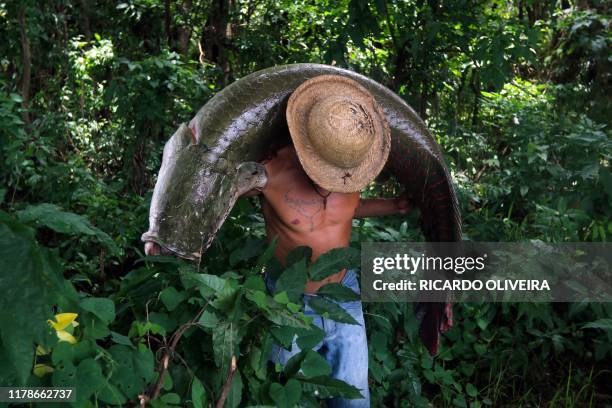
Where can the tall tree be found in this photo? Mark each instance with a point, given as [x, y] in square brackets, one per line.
[216, 36]
[26, 63]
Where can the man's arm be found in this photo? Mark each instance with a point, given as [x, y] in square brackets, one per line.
[376, 207]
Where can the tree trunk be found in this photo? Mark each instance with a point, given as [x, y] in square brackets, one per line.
[168, 22]
[476, 89]
[185, 30]
[84, 19]
[423, 99]
[27, 65]
[216, 35]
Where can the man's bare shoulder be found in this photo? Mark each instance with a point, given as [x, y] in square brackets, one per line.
[282, 167]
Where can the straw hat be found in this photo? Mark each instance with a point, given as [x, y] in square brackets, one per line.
[339, 132]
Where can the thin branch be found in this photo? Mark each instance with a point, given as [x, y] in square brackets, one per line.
[202, 57]
[228, 383]
[155, 390]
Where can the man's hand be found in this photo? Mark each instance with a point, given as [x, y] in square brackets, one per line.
[151, 248]
[404, 205]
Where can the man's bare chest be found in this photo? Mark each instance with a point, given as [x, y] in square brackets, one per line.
[301, 205]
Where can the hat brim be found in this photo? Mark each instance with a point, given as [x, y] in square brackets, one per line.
[327, 175]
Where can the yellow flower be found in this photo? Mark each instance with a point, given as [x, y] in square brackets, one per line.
[41, 369]
[63, 335]
[41, 351]
[62, 321]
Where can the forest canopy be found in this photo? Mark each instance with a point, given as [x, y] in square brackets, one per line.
[517, 94]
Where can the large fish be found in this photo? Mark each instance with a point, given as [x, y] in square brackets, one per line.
[210, 162]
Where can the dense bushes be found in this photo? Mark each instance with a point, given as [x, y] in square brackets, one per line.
[522, 130]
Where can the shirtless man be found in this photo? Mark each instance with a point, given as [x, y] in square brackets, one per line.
[298, 212]
[340, 144]
[312, 195]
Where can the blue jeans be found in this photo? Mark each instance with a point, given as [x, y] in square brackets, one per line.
[344, 346]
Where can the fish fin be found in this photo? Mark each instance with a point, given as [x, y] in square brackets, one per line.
[436, 318]
[250, 176]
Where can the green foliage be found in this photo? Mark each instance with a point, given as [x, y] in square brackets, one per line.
[544, 171]
[53, 217]
[112, 360]
[32, 284]
[516, 93]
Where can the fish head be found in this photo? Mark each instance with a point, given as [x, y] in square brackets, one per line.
[195, 190]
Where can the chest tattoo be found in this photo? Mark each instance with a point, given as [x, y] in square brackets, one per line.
[307, 208]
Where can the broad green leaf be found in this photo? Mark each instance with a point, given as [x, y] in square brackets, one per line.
[228, 300]
[248, 249]
[284, 335]
[104, 308]
[333, 261]
[191, 279]
[53, 217]
[267, 255]
[140, 329]
[255, 363]
[134, 369]
[480, 348]
[255, 283]
[171, 398]
[259, 298]
[121, 339]
[112, 395]
[144, 363]
[314, 365]
[294, 307]
[310, 337]
[212, 281]
[171, 298]
[199, 397]
[94, 328]
[286, 396]
[293, 364]
[89, 379]
[73, 353]
[168, 382]
[208, 319]
[298, 254]
[326, 387]
[337, 291]
[225, 341]
[165, 320]
[282, 298]
[283, 317]
[235, 395]
[65, 375]
[274, 268]
[604, 324]
[292, 281]
[331, 310]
